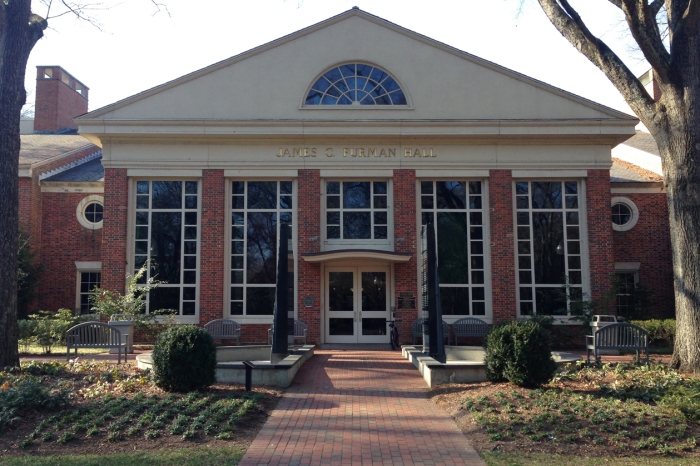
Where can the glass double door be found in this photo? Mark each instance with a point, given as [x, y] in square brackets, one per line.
[357, 304]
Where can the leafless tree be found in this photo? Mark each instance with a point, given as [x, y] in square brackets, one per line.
[20, 28]
[667, 34]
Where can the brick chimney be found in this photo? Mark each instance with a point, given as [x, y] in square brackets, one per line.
[59, 98]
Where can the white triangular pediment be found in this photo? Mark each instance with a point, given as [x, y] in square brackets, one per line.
[270, 83]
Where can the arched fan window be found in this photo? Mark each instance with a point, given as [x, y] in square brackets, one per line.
[356, 84]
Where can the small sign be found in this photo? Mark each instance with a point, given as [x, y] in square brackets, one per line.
[308, 300]
[407, 300]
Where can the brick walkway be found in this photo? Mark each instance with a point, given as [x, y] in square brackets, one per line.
[359, 407]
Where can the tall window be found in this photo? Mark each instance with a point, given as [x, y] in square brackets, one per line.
[455, 209]
[167, 235]
[357, 210]
[258, 209]
[548, 244]
[88, 282]
[626, 284]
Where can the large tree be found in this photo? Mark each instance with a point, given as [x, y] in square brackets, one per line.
[20, 29]
[667, 33]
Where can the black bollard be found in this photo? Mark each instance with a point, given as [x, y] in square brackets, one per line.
[248, 374]
[280, 345]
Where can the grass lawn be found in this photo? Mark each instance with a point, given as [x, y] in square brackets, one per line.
[607, 412]
[227, 456]
[39, 350]
[538, 459]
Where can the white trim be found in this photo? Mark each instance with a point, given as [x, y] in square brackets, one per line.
[557, 174]
[452, 174]
[88, 266]
[627, 266]
[94, 187]
[355, 173]
[355, 254]
[633, 208]
[25, 172]
[163, 173]
[261, 173]
[80, 211]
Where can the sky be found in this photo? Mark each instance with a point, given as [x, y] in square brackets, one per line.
[137, 47]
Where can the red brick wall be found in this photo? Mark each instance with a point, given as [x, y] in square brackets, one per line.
[309, 219]
[30, 210]
[65, 242]
[256, 334]
[57, 104]
[600, 240]
[212, 263]
[502, 246]
[406, 278]
[649, 242]
[114, 229]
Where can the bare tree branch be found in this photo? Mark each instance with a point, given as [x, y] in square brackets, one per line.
[656, 6]
[160, 7]
[645, 30]
[570, 25]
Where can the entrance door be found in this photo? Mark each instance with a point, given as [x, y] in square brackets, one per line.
[357, 304]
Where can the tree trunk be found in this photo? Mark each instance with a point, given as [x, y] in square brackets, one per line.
[19, 31]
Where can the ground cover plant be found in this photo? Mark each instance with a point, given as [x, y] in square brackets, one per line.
[98, 407]
[607, 410]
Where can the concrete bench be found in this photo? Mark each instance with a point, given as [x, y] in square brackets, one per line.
[469, 327]
[299, 331]
[618, 337]
[95, 335]
[224, 329]
[417, 330]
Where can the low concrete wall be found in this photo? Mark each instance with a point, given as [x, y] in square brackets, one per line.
[230, 368]
[465, 364]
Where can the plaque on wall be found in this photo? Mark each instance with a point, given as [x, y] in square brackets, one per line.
[308, 300]
[406, 300]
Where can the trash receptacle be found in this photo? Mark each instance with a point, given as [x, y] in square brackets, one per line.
[601, 321]
[125, 325]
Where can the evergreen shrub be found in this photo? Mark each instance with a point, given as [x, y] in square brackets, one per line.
[660, 330]
[184, 359]
[519, 352]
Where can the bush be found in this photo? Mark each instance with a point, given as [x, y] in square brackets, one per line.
[184, 359]
[47, 328]
[519, 352]
[659, 329]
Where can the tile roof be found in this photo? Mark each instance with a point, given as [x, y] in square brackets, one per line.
[85, 172]
[625, 172]
[40, 147]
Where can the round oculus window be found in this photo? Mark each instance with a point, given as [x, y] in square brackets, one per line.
[90, 212]
[624, 214]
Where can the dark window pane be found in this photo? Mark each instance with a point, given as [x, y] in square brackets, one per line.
[285, 187]
[572, 218]
[236, 293]
[262, 194]
[475, 202]
[333, 187]
[236, 309]
[285, 202]
[237, 277]
[341, 326]
[380, 202]
[548, 242]
[167, 195]
[426, 202]
[374, 326]
[191, 187]
[522, 202]
[521, 187]
[236, 247]
[333, 232]
[523, 247]
[142, 218]
[373, 291]
[477, 277]
[237, 232]
[546, 195]
[142, 187]
[571, 202]
[333, 202]
[190, 277]
[190, 202]
[141, 247]
[164, 298]
[189, 293]
[190, 218]
[621, 214]
[524, 262]
[260, 300]
[340, 291]
[477, 247]
[188, 309]
[333, 218]
[574, 262]
[166, 244]
[356, 195]
[551, 301]
[523, 232]
[479, 309]
[575, 278]
[426, 187]
[380, 187]
[571, 187]
[526, 309]
[477, 262]
[475, 187]
[525, 277]
[451, 195]
[475, 218]
[426, 218]
[262, 247]
[380, 218]
[523, 218]
[573, 247]
[237, 262]
[454, 301]
[237, 187]
[380, 233]
[190, 262]
[526, 294]
[478, 293]
[357, 225]
[190, 232]
[453, 256]
[142, 202]
[572, 233]
[238, 218]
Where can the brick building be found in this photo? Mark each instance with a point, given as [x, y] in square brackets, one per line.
[345, 132]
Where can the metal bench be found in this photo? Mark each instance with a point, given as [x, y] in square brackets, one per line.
[95, 335]
[299, 331]
[224, 329]
[469, 327]
[417, 330]
[618, 337]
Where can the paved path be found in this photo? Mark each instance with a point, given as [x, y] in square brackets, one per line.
[359, 407]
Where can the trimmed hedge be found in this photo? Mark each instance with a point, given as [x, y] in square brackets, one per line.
[184, 359]
[519, 352]
[658, 329]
